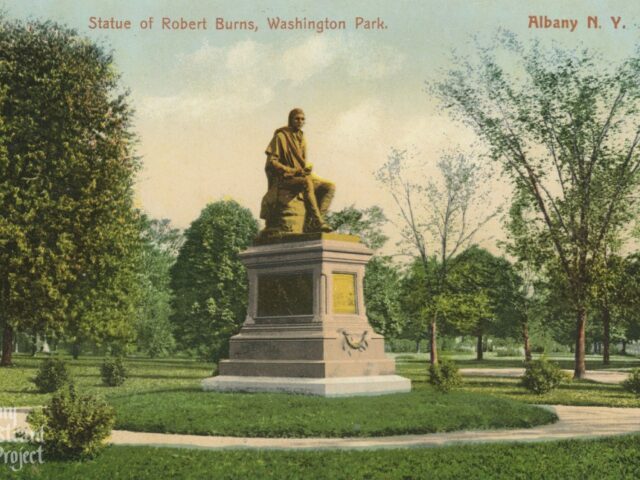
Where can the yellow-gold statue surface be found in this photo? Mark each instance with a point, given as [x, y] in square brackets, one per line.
[297, 199]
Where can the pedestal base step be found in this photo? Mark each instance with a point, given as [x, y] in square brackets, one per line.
[324, 387]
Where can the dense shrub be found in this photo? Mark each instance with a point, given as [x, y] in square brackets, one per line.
[632, 383]
[509, 352]
[444, 376]
[113, 372]
[402, 345]
[541, 376]
[52, 375]
[72, 425]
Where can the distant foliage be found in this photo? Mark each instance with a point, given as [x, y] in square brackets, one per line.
[632, 383]
[509, 352]
[401, 345]
[209, 281]
[444, 376]
[161, 244]
[541, 376]
[73, 425]
[113, 371]
[52, 375]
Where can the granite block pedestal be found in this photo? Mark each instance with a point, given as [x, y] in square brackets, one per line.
[306, 329]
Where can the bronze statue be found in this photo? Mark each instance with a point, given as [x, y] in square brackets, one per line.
[296, 200]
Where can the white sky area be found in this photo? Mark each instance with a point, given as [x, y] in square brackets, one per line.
[207, 101]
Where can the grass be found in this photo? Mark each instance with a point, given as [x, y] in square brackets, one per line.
[145, 376]
[575, 392]
[491, 360]
[165, 396]
[279, 415]
[611, 458]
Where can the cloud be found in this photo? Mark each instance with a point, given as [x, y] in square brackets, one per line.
[372, 63]
[303, 61]
[248, 75]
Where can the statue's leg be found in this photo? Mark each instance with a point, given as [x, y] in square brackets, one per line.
[311, 200]
[315, 214]
[324, 192]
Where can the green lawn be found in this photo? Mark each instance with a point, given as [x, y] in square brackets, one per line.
[146, 375]
[491, 360]
[582, 392]
[165, 396]
[613, 458]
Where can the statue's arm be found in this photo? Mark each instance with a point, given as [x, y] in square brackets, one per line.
[273, 163]
[274, 153]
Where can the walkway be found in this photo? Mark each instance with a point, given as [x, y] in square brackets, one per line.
[574, 422]
[600, 376]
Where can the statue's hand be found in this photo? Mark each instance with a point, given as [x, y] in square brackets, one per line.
[308, 168]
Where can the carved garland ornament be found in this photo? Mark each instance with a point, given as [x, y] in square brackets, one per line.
[352, 342]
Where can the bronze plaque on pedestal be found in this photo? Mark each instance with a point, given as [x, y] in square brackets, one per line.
[285, 294]
[344, 293]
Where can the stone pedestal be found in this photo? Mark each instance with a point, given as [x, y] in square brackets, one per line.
[306, 329]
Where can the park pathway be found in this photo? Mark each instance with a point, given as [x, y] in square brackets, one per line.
[600, 376]
[574, 422]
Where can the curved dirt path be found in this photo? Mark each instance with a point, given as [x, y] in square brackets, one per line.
[574, 422]
[600, 376]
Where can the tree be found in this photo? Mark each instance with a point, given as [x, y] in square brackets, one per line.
[529, 262]
[628, 299]
[366, 223]
[488, 291]
[68, 232]
[564, 127]
[414, 300]
[161, 244]
[435, 218]
[209, 281]
[609, 296]
[382, 276]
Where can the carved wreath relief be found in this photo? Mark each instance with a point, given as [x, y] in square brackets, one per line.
[351, 341]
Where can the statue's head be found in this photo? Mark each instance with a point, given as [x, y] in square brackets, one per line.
[296, 119]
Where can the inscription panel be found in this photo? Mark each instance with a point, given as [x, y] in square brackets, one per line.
[344, 293]
[285, 294]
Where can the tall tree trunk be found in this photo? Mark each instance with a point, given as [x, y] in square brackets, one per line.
[434, 346]
[418, 346]
[527, 342]
[606, 318]
[7, 346]
[75, 350]
[581, 322]
[479, 347]
[624, 347]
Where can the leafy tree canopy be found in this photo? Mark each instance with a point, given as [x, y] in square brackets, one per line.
[68, 232]
[208, 279]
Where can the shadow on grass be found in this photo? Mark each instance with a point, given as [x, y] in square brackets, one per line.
[160, 376]
[153, 392]
[27, 392]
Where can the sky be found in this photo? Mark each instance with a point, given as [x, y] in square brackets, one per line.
[207, 101]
